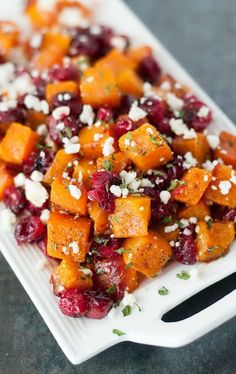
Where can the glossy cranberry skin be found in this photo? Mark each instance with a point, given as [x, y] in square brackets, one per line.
[71, 128]
[34, 210]
[29, 230]
[73, 303]
[223, 213]
[160, 210]
[105, 114]
[14, 198]
[98, 305]
[40, 85]
[104, 198]
[175, 170]
[74, 103]
[101, 178]
[192, 105]
[186, 252]
[149, 69]
[123, 125]
[164, 127]
[37, 160]
[154, 109]
[63, 73]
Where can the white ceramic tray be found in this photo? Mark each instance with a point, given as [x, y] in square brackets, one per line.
[81, 339]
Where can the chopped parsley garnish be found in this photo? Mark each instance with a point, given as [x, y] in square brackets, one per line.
[155, 140]
[127, 310]
[180, 224]
[54, 246]
[128, 136]
[111, 289]
[68, 132]
[100, 240]
[120, 251]
[166, 220]
[107, 165]
[183, 275]
[138, 306]
[175, 183]
[209, 223]
[118, 332]
[129, 265]
[117, 303]
[163, 291]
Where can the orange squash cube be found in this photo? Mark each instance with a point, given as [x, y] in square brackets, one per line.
[147, 254]
[99, 87]
[116, 162]
[61, 163]
[38, 18]
[99, 217]
[199, 211]
[69, 196]
[195, 182]
[227, 149]
[145, 147]
[129, 83]
[222, 189]
[68, 236]
[84, 170]
[6, 179]
[131, 279]
[45, 59]
[169, 236]
[17, 144]
[116, 61]
[9, 35]
[52, 89]
[69, 275]
[198, 146]
[56, 41]
[131, 216]
[212, 242]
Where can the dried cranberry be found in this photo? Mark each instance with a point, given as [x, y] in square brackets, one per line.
[103, 178]
[154, 109]
[123, 125]
[98, 305]
[16, 114]
[105, 199]
[73, 303]
[174, 170]
[70, 129]
[63, 73]
[160, 210]
[125, 104]
[14, 198]
[223, 213]
[34, 210]
[29, 230]
[149, 69]
[37, 160]
[185, 250]
[192, 106]
[67, 99]
[40, 85]
[164, 126]
[105, 114]
[105, 246]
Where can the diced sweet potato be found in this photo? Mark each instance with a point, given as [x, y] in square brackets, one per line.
[116, 162]
[147, 254]
[69, 275]
[9, 34]
[222, 189]
[195, 182]
[99, 217]
[129, 83]
[169, 236]
[132, 279]
[116, 61]
[212, 242]
[198, 146]
[6, 179]
[84, 170]
[145, 147]
[38, 18]
[52, 89]
[131, 216]
[199, 211]
[59, 165]
[56, 41]
[69, 196]
[99, 87]
[227, 149]
[17, 144]
[92, 140]
[68, 236]
[45, 59]
[137, 54]
[34, 119]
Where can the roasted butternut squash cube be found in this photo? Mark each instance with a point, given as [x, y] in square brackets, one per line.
[56, 40]
[137, 54]
[34, 119]
[131, 216]
[68, 236]
[6, 179]
[227, 149]
[145, 147]
[92, 140]
[84, 170]
[147, 254]
[222, 189]
[17, 144]
[52, 89]
[61, 163]
[69, 196]
[212, 242]
[38, 18]
[99, 217]
[198, 146]
[132, 279]
[69, 275]
[129, 83]
[9, 35]
[199, 211]
[45, 59]
[116, 162]
[99, 87]
[169, 236]
[116, 61]
[194, 183]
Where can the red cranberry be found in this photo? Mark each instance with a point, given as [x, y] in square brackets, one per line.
[164, 126]
[154, 109]
[29, 230]
[14, 198]
[98, 305]
[105, 199]
[223, 213]
[37, 160]
[102, 178]
[160, 211]
[71, 128]
[191, 109]
[105, 114]
[123, 125]
[149, 69]
[67, 99]
[16, 114]
[34, 210]
[125, 104]
[174, 170]
[105, 246]
[73, 303]
[40, 85]
[63, 73]
[186, 251]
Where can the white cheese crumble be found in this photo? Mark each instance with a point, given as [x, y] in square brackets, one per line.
[209, 165]
[74, 247]
[147, 91]
[180, 128]
[187, 232]
[97, 137]
[7, 73]
[116, 190]
[33, 102]
[42, 130]
[136, 113]
[74, 191]
[128, 299]
[72, 17]
[213, 141]
[206, 178]
[118, 42]
[108, 148]
[224, 187]
[87, 115]
[171, 228]
[46, 5]
[71, 146]
[36, 176]
[44, 216]
[190, 161]
[203, 112]
[36, 40]
[166, 86]
[7, 219]
[165, 196]
[19, 180]
[86, 272]
[61, 112]
[174, 103]
[35, 193]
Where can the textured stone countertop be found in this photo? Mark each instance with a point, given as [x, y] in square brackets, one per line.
[201, 35]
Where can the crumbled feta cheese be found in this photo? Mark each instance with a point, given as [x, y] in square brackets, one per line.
[7, 219]
[7, 74]
[180, 128]
[108, 148]
[166, 86]
[136, 113]
[209, 165]
[86, 272]
[42, 130]
[171, 228]
[184, 222]
[33, 102]
[115, 190]
[19, 180]
[172, 243]
[20, 86]
[193, 220]
[205, 178]
[213, 141]
[203, 112]
[97, 137]
[224, 187]
[165, 196]
[61, 112]
[150, 131]
[174, 103]
[44, 216]
[72, 17]
[35, 193]
[128, 299]
[145, 182]
[74, 247]
[118, 42]
[60, 126]
[214, 188]
[132, 144]
[36, 176]
[190, 161]
[36, 40]
[87, 115]
[128, 176]
[147, 91]
[71, 146]
[187, 232]
[74, 191]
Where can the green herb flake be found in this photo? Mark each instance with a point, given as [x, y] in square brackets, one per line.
[180, 224]
[117, 303]
[120, 251]
[183, 275]
[116, 219]
[129, 265]
[127, 310]
[158, 172]
[118, 332]
[111, 290]
[54, 246]
[128, 136]
[138, 306]
[163, 291]
[166, 220]
[155, 140]
[107, 165]
[175, 183]
[99, 240]
[169, 165]
[100, 271]
[209, 223]
[181, 114]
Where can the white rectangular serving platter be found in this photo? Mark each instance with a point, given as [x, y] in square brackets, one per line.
[81, 339]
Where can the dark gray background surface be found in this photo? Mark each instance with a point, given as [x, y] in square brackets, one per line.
[202, 36]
